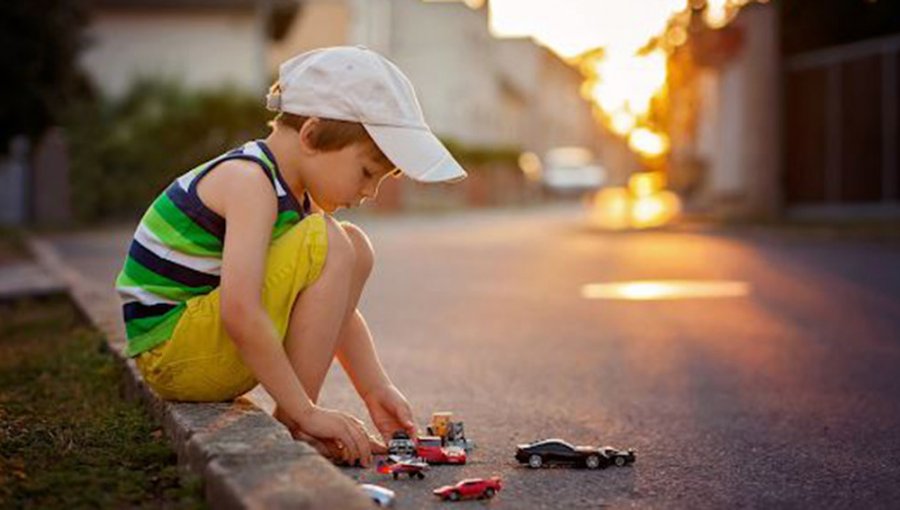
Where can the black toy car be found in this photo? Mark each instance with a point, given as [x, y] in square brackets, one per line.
[618, 457]
[557, 451]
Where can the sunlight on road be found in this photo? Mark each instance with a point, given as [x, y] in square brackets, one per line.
[647, 290]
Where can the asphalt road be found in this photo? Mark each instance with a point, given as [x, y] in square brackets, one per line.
[788, 396]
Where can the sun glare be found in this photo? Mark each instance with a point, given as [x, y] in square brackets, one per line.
[572, 27]
[623, 50]
[647, 290]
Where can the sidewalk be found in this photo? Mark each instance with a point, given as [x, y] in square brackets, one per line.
[245, 457]
[26, 279]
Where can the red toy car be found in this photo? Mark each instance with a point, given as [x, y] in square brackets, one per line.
[431, 450]
[469, 489]
[413, 468]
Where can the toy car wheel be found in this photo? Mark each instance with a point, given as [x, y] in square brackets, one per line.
[395, 475]
[420, 476]
[454, 496]
[535, 461]
[620, 461]
[592, 462]
[489, 493]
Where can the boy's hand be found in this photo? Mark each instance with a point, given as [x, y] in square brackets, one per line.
[327, 448]
[343, 436]
[390, 411]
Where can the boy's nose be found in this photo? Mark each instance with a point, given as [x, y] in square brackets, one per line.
[369, 192]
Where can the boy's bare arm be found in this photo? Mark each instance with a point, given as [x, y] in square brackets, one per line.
[389, 409]
[243, 195]
[358, 356]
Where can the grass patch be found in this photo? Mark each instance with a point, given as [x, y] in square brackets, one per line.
[67, 438]
[12, 245]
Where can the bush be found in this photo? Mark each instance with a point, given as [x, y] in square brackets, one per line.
[124, 152]
[482, 156]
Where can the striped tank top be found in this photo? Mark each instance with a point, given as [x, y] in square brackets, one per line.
[176, 252]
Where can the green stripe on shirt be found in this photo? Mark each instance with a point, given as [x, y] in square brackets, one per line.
[176, 239]
[145, 334]
[136, 274]
[284, 222]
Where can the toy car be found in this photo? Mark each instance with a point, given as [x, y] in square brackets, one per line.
[470, 489]
[557, 451]
[431, 450]
[618, 457]
[452, 433]
[453, 455]
[440, 424]
[413, 468]
[381, 496]
[401, 446]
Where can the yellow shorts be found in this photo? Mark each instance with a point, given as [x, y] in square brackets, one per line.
[200, 363]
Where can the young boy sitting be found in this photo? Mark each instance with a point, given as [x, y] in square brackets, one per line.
[239, 275]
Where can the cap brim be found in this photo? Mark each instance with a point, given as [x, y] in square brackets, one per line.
[417, 153]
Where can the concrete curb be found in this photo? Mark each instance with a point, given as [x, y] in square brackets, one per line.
[20, 280]
[244, 456]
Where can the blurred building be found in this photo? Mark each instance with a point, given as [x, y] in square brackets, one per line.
[474, 89]
[794, 111]
[199, 43]
[841, 114]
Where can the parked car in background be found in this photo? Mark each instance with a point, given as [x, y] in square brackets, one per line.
[571, 170]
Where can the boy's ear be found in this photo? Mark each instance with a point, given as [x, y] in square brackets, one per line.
[307, 135]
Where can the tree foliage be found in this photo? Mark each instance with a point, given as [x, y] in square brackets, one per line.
[39, 44]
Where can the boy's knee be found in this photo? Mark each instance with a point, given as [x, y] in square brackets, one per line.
[362, 248]
[341, 251]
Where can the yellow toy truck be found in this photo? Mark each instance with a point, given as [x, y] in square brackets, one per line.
[451, 432]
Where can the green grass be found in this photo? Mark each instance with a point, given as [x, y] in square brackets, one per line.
[12, 245]
[67, 438]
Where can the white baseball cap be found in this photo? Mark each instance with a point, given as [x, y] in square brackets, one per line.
[353, 83]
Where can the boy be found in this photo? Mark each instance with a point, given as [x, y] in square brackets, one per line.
[211, 311]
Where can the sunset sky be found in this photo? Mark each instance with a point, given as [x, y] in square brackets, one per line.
[570, 27]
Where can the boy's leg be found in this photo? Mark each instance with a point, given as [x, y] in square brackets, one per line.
[321, 310]
[365, 260]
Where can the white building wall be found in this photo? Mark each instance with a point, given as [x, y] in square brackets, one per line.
[199, 49]
[371, 24]
[565, 116]
[739, 122]
[445, 49]
[473, 88]
[320, 23]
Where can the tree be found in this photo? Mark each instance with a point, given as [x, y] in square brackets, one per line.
[39, 45]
